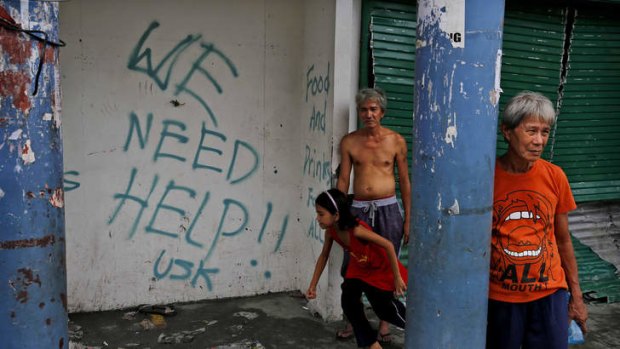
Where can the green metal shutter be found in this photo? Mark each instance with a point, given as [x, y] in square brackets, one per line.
[588, 131]
[587, 134]
[389, 42]
[532, 47]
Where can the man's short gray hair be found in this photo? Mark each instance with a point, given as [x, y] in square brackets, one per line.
[372, 94]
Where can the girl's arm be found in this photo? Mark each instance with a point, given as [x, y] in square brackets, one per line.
[320, 265]
[364, 234]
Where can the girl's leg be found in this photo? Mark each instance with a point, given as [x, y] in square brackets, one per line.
[386, 306]
[353, 308]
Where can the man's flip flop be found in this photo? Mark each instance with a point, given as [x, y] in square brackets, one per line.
[384, 338]
[344, 334]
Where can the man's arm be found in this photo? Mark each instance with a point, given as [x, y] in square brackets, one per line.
[577, 309]
[405, 185]
[344, 177]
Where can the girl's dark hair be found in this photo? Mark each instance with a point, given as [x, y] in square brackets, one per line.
[346, 220]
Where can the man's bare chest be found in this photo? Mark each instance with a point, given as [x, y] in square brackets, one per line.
[374, 158]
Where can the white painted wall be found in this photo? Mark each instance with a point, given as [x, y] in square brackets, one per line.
[346, 69]
[342, 78]
[210, 198]
[317, 113]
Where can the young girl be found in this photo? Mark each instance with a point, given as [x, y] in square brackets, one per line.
[373, 268]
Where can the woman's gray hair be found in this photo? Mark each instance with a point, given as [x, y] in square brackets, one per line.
[373, 94]
[528, 103]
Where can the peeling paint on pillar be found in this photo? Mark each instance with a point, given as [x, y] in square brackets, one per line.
[57, 198]
[458, 56]
[17, 50]
[14, 85]
[33, 311]
[27, 153]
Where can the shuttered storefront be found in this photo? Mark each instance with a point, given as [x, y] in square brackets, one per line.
[587, 144]
[584, 83]
[532, 47]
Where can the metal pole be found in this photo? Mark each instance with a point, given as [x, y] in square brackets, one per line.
[33, 285]
[458, 60]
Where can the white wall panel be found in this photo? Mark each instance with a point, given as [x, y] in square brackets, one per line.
[205, 201]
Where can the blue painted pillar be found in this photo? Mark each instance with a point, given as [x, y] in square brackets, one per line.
[33, 296]
[458, 60]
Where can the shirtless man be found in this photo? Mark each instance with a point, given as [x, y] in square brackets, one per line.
[373, 152]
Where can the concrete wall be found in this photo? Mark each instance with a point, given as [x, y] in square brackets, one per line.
[340, 96]
[317, 114]
[196, 134]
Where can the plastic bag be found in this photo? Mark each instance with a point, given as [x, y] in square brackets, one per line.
[575, 336]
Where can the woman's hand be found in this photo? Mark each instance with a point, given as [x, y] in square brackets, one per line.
[399, 287]
[311, 292]
[578, 311]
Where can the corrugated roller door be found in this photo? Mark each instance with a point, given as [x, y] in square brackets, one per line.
[588, 133]
[533, 47]
[532, 57]
[392, 34]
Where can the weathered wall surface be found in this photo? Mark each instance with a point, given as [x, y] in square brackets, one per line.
[331, 82]
[32, 231]
[317, 116]
[197, 134]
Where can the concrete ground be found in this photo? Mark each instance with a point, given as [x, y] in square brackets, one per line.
[279, 320]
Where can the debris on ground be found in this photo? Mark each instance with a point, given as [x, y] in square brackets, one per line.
[247, 344]
[130, 315]
[158, 320]
[74, 345]
[209, 322]
[145, 325]
[75, 332]
[161, 309]
[246, 314]
[180, 337]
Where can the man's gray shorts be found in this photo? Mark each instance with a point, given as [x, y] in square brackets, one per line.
[384, 217]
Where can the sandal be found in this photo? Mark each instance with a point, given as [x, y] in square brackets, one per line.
[384, 338]
[344, 334]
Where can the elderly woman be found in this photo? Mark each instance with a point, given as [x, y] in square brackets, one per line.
[533, 264]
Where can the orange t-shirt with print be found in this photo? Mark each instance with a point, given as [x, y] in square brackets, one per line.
[525, 262]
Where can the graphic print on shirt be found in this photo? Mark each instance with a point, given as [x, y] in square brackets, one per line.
[362, 260]
[367, 256]
[521, 241]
